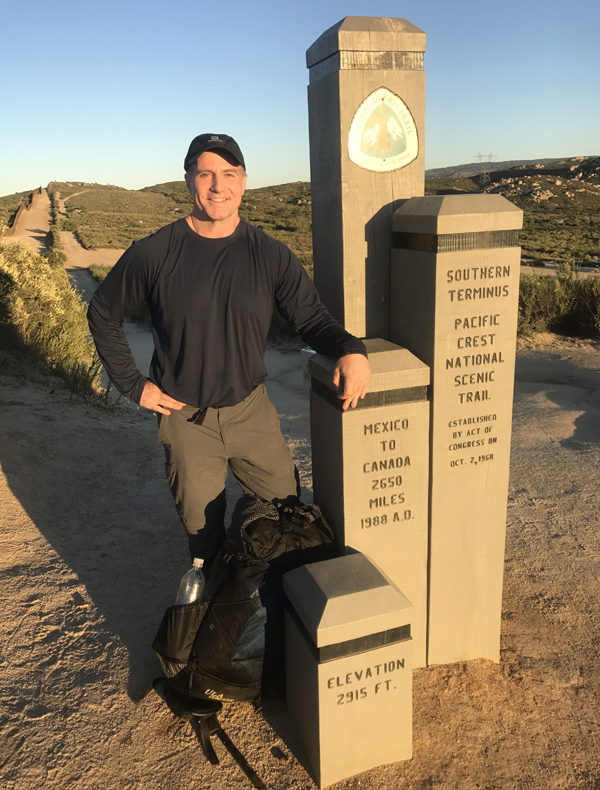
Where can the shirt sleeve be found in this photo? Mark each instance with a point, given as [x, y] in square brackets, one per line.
[124, 288]
[298, 301]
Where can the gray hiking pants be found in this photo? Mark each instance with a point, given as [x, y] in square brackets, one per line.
[201, 444]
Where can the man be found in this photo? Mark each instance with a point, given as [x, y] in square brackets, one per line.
[210, 280]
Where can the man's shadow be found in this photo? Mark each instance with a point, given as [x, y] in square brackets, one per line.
[94, 487]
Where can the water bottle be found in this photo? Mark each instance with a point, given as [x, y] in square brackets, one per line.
[192, 584]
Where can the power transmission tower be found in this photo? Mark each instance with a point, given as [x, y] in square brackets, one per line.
[485, 162]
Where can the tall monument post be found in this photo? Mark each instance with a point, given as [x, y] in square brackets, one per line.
[454, 295]
[366, 101]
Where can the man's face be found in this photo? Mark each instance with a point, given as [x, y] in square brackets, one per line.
[217, 186]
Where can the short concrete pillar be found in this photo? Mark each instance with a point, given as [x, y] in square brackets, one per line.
[348, 666]
[366, 105]
[370, 469]
[454, 296]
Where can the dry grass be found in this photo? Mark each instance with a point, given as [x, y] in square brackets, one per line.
[41, 313]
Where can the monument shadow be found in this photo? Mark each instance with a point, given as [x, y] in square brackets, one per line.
[571, 386]
[377, 270]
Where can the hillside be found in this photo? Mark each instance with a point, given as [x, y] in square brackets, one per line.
[560, 199]
[474, 168]
[114, 217]
[92, 553]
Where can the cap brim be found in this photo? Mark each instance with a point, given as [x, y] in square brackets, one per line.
[215, 147]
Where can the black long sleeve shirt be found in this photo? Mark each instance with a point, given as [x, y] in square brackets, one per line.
[210, 304]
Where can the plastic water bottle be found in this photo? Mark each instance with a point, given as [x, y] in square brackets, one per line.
[192, 584]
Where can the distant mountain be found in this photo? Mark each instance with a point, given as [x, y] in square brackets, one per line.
[474, 168]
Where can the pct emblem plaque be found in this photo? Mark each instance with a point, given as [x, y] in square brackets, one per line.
[383, 134]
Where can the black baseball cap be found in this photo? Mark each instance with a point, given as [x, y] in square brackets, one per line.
[209, 142]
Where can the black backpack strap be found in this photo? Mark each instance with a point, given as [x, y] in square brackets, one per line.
[202, 717]
[240, 759]
[201, 728]
[205, 727]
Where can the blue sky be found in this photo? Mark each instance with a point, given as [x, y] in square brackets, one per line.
[113, 92]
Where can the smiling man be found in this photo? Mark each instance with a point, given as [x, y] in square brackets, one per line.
[210, 281]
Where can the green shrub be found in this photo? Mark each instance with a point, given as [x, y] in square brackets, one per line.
[543, 303]
[54, 254]
[561, 303]
[45, 316]
[55, 258]
[66, 223]
[98, 271]
[586, 305]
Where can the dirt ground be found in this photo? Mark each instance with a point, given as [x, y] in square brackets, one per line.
[80, 258]
[91, 554]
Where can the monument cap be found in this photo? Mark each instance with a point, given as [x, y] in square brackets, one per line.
[210, 142]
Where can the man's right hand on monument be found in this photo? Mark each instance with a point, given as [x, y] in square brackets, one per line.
[155, 399]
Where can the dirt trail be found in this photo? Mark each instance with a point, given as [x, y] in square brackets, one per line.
[551, 268]
[33, 225]
[81, 192]
[80, 258]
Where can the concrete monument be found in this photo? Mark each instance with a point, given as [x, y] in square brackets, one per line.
[348, 666]
[366, 102]
[454, 297]
[416, 476]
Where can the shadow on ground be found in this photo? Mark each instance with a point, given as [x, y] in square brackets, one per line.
[567, 384]
[103, 506]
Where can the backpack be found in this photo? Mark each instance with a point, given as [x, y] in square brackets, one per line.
[230, 645]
